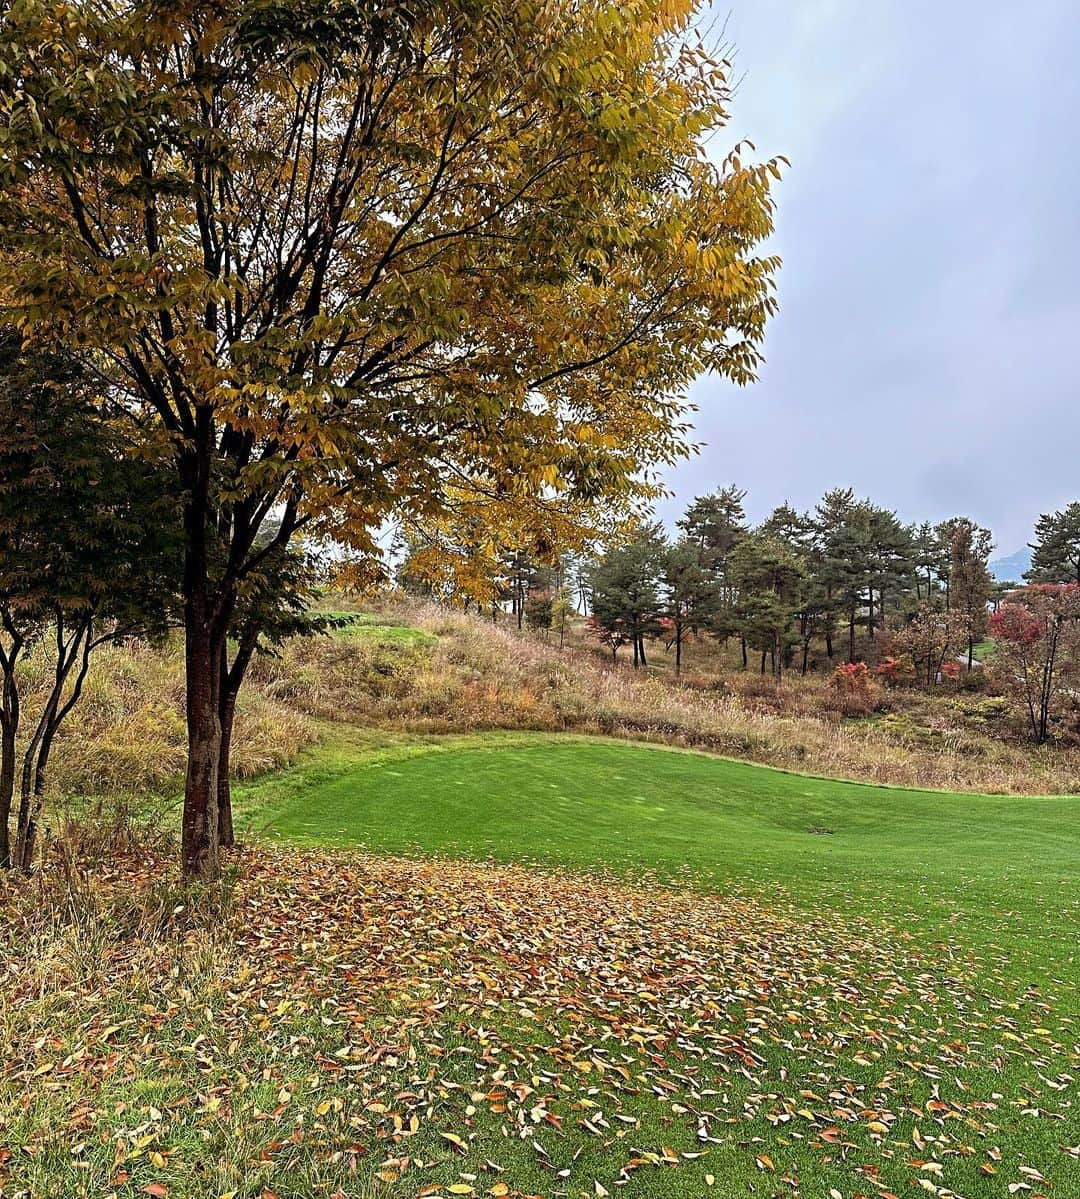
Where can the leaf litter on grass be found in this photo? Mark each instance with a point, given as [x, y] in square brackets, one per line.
[366, 1025]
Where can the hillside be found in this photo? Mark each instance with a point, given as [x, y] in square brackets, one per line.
[422, 668]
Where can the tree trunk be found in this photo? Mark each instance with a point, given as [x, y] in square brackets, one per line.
[70, 645]
[745, 658]
[9, 725]
[641, 650]
[226, 834]
[26, 844]
[231, 679]
[1046, 691]
[207, 612]
[636, 657]
[7, 788]
[9, 731]
[199, 829]
[678, 650]
[26, 828]
[851, 638]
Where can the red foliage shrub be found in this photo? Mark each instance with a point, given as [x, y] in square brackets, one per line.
[850, 677]
[896, 670]
[1014, 623]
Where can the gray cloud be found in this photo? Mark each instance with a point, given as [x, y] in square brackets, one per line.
[930, 229]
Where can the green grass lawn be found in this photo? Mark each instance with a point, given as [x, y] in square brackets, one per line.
[371, 626]
[997, 871]
[968, 906]
[572, 969]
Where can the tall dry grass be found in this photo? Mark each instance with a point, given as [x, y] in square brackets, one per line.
[473, 675]
[462, 673]
[899, 738]
[127, 737]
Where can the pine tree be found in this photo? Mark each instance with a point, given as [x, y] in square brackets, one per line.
[625, 591]
[691, 594]
[1055, 556]
[716, 524]
[769, 576]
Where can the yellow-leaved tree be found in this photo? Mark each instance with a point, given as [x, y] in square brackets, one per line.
[343, 258]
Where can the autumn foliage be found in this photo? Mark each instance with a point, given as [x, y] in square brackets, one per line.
[349, 263]
[1038, 630]
[850, 677]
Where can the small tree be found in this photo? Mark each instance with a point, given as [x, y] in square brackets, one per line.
[562, 611]
[970, 582]
[691, 594]
[87, 544]
[609, 634]
[538, 611]
[927, 638]
[1038, 636]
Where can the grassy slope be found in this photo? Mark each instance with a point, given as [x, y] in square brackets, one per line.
[998, 871]
[854, 1013]
[887, 939]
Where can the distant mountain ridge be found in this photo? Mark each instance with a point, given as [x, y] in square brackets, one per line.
[1012, 568]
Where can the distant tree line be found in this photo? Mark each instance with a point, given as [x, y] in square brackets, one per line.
[835, 576]
[843, 585]
[846, 580]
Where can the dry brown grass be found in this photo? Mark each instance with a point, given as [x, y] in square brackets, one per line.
[461, 673]
[478, 675]
[127, 736]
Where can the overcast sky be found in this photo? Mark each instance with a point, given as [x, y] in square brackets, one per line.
[926, 348]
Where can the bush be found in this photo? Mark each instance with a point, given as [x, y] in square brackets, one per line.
[850, 677]
[990, 711]
[896, 671]
[850, 691]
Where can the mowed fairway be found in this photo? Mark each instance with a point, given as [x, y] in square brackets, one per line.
[999, 870]
[759, 983]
